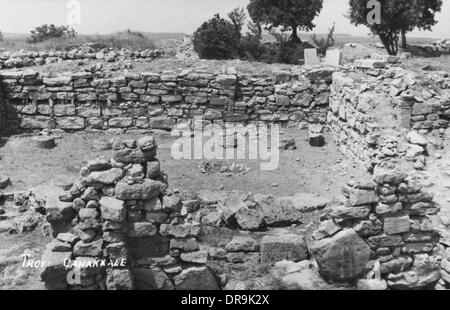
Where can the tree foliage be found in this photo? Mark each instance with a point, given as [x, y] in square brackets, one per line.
[237, 17]
[288, 14]
[216, 39]
[47, 32]
[397, 17]
[323, 44]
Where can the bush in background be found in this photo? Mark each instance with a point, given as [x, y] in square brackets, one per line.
[323, 44]
[216, 39]
[219, 38]
[48, 32]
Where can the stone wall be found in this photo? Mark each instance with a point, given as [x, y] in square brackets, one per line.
[384, 224]
[372, 110]
[2, 112]
[9, 60]
[118, 228]
[98, 100]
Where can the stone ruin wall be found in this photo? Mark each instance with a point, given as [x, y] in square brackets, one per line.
[390, 214]
[386, 220]
[21, 59]
[2, 113]
[373, 112]
[119, 214]
[87, 100]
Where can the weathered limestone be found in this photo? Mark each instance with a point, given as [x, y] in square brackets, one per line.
[283, 247]
[341, 257]
[82, 100]
[121, 220]
[383, 219]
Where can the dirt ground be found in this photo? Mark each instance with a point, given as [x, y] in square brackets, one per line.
[307, 169]
[13, 273]
[316, 170]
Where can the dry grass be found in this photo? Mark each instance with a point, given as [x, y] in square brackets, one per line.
[124, 39]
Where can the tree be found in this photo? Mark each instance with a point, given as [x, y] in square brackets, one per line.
[216, 39]
[397, 17]
[323, 44]
[420, 16]
[237, 17]
[47, 32]
[288, 14]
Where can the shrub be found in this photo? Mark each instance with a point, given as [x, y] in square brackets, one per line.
[323, 44]
[216, 39]
[47, 32]
[1, 36]
[237, 17]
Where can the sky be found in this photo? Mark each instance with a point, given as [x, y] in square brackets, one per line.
[107, 16]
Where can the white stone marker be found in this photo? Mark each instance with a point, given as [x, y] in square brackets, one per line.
[311, 58]
[333, 57]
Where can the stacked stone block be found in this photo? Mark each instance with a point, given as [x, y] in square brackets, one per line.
[120, 217]
[385, 220]
[21, 59]
[372, 110]
[98, 100]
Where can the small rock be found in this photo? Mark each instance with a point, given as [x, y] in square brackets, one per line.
[242, 244]
[415, 138]
[4, 181]
[44, 142]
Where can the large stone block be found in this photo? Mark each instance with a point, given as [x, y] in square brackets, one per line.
[164, 123]
[112, 209]
[35, 122]
[342, 257]
[151, 279]
[141, 229]
[134, 156]
[155, 246]
[283, 247]
[119, 279]
[359, 197]
[397, 224]
[140, 191]
[54, 272]
[90, 249]
[71, 123]
[195, 278]
[108, 177]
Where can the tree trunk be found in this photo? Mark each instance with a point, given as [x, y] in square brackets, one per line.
[390, 42]
[294, 37]
[404, 44]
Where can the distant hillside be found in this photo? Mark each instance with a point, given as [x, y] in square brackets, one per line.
[342, 38]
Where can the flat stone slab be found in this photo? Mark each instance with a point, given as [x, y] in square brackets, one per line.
[139, 191]
[311, 58]
[283, 247]
[342, 257]
[44, 142]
